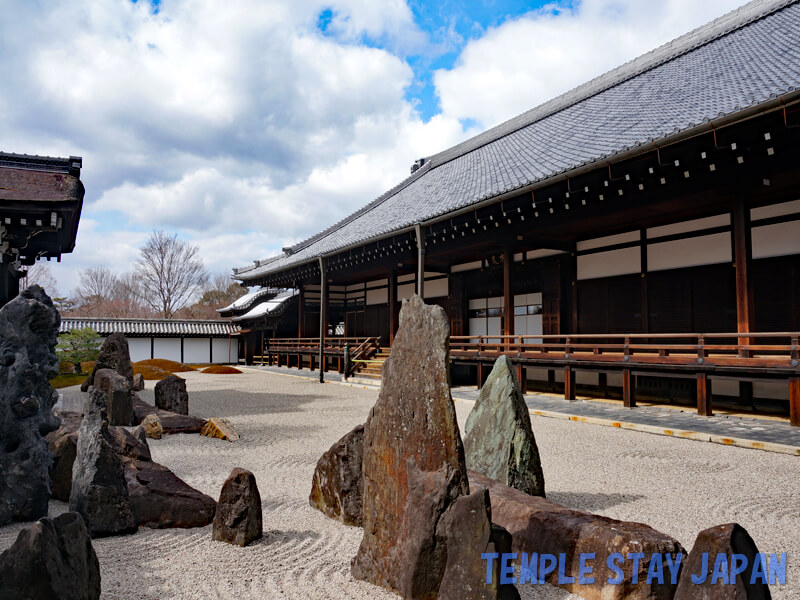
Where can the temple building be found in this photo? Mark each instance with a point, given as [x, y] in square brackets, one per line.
[637, 236]
[40, 205]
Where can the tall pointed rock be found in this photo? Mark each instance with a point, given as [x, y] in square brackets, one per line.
[413, 464]
[498, 438]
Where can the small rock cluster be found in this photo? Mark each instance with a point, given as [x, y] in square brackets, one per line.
[403, 477]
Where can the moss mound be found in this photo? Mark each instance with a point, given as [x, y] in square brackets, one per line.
[170, 366]
[221, 370]
[149, 372]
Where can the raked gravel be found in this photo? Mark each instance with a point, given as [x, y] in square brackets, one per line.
[678, 486]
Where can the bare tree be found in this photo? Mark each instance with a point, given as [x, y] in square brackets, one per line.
[40, 274]
[169, 273]
[97, 283]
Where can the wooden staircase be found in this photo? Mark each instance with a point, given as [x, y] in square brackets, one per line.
[372, 369]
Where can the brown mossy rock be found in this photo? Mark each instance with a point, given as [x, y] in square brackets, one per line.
[470, 534]
[99, 492]
[53, 558]
[337, 488]
[498, 438]
[413, 464]
[170, 422]
[28, 336]
[161, 499]
[541, 526]
[219, 428]
[118, 396]
[727, 539]
[114, 355]
[171, 395]
[238, 517]
[138, 382]
[63, 443]
[151, 425]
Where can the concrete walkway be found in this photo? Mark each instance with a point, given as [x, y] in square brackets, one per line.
[745, 432]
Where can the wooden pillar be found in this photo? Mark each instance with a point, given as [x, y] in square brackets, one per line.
[704, 407]
[392, 303]
[420, 260]
[743, 254]
[323, 317]
[628, 391]
[645, 301]
[794, 401]
[480, 375]
[573, 278]
[569, 383]
[523, 384]
[508, 298]
[301, 300]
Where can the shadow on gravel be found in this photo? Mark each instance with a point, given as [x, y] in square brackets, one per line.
[591, 502]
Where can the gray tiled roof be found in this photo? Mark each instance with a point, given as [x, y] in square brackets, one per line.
[742, 60]
[150, 327]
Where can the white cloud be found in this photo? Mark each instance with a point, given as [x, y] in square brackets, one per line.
[245, 128]
[529, 60]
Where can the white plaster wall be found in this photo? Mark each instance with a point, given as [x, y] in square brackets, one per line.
[436, 288]
[466, 267]
[378, 296]
[167, 348]
[691, 252]
[775, 210]
[139, 348]
[196, 350]
[780, 239]
[405, 291]
[220, 353]
[543, 252]
[686, 226]
[608, 264]
[610, 240]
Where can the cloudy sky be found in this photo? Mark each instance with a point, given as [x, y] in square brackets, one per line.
[248, 125]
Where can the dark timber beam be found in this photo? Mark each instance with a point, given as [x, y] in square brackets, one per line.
[420, 231]
[323, 318]
[392, 303]
[301, 298]
[508, 299]
[743, 253]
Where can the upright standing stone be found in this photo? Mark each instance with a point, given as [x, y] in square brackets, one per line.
[413, 464]
[63, 444]
[28, 336]
[99, 491]
[728, 540]
[114, 355]
[471, 535]
[171, 395]
[498, 439]
[138, 382]
[238, 517]
[337, 488]
[52, 558]
[118, 394]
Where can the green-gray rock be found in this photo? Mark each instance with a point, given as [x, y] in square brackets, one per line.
[498, 439]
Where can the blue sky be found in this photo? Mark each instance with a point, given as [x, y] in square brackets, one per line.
[247, 126]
